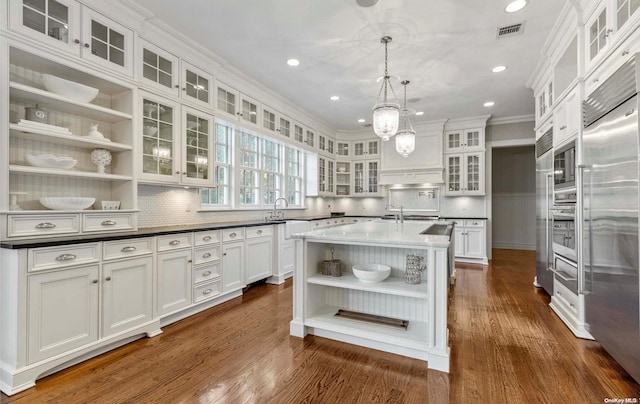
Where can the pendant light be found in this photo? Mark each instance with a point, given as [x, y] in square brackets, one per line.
[386, 113]
[406, 137]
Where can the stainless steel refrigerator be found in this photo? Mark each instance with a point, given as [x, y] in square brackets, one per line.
[544, 202]
[609, 277]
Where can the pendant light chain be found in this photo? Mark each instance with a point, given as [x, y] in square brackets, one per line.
[386, 113]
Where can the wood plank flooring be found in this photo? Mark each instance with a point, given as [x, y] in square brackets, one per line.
[507, 346]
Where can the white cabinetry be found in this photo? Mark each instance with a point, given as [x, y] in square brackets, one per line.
[207, 265]
[464, 140]
[259, 253]
[465, 174]
[62, 311]
[326, 145]
[366, 175]
[566, 118]
[174, 263]
[197, 86]
[233, 259]
[160, 139]
[236, 105]
[158, 69]
[71, 27]
[366, 149]
[470, 240]
[326, 176]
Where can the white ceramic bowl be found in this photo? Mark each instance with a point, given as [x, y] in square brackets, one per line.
[371, 273]
[70, 89]
[66, 202]
[50, 161]
[149, 130]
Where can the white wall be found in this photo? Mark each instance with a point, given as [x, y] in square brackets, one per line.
[514, 198]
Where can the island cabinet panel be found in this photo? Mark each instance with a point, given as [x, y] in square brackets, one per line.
[318, 297]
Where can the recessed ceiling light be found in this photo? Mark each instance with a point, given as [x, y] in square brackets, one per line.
[367, 3]
[499, 69]
[419, 113]
[515, 5]
[293, 62]
[361, 120]
[489, 104]
[334, 98]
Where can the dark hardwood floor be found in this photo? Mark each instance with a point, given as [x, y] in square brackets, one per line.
[507, 346]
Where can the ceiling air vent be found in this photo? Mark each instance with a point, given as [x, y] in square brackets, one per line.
[510, 30]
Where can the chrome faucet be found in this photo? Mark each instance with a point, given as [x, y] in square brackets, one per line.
[398, 216]
[276, 214]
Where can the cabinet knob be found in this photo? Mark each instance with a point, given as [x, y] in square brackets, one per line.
[76, 40]
[189, 261]
[174, 242]
[206, 238]
[625, 53]
[224, 254]
[177, 86]
[94, 281]
[259, 232]
[563, 127]
[86, 45]
[108, 278]
[178, 172]
[596, 80]
[232, 235]
[128, 249]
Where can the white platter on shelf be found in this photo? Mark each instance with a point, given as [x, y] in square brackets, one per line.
[66, 202]
[65, 139]
[68, 88]
[50, 161]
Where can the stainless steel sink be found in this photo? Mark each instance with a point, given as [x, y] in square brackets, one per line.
[438, 230]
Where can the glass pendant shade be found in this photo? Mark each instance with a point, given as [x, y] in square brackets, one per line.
[386, 119]
[406, 142]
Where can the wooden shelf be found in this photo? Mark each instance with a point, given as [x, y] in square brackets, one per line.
[390, 286]
[18, 169]
[31, 95]
[66, 140]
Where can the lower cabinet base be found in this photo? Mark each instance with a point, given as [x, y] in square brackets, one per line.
[569, 319]
[473, 260]
[278, 279]
[190, 311]
[13, 381]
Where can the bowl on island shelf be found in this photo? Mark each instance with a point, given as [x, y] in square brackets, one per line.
[371, 273]
[50, 161]
[69, 89]
[66, 202]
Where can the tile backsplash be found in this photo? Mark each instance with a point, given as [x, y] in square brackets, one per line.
[169, 206]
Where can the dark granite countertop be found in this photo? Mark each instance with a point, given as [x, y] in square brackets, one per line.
[159, 231]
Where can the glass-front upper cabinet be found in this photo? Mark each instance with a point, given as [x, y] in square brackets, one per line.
[310, 138]
[159, 140]
[464, 140]
[67, 25]
[197, 86]
[342, 148]
[298, 133]
[599, 30]
[269, 120]
[366, 148]
[284, 127]
[196, 151]
[159, 69]
[624, 10]
[227, 100]
[249, 110]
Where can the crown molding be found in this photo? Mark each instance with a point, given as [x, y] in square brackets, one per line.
[511, 119]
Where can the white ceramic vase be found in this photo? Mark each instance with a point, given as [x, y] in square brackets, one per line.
[101, 158]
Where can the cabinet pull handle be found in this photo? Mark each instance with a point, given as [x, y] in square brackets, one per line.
[207, 273]
[630, 112]
[128, 249]
[94, 281]
[207, 291]
[65, 257]
[206, 238]
[108, 278]
[259, 232]
[596, 80]
[625, 53]
[207, 255]
[174, 242]
[109, 223]
[45, 225]
[232, 235]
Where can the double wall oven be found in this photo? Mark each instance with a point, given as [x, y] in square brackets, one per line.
[563, 215]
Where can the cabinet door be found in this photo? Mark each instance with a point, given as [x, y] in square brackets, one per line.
[454, 174]
[372, 176]
[269, 120]
[197, 146]
[459, 241]
[310, 138]
[259, 262]
[197, 86]
[127, 297]
[343, 178]
[359, 185]
[598, 30]
[160, 142]
[453, 141]
[174, 281]
[159, 69]
[373, 148]
[106, 42]
[322, 143]
[342, 148]
[249, 110]
[298, 132]
[473, 139]
[55, 22]
[284, 126]
[572, 110]
[359, 149]
[227, 100]
[474, 242]
[62, 313]
[233, 266]
[331, 172]
[474, 173]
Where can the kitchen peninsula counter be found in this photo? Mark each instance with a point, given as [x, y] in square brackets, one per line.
[317, 297]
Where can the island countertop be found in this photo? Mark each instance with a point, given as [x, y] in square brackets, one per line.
[402, 234]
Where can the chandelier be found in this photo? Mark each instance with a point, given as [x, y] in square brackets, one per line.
[406, 137]
[386, 113]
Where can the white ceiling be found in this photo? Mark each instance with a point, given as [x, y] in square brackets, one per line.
[446, 48]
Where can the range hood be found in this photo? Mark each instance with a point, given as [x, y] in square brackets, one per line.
[434, 175]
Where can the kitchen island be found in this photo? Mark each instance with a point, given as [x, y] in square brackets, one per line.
[421, 307]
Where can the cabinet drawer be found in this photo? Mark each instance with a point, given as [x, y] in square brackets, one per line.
[566, 297]
[19, 225]
[206, 254]
[108, 222]
[41, 259]
[127, 248]
[206, 291]
[174, 241]
[208, 237]
[207, 272]
[474, 223]
[233, 234]
[259, 231]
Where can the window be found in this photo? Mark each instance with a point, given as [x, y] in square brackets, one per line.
[218, 195]
[252, 171]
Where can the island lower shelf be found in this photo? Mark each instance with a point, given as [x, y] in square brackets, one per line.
[390, 286]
